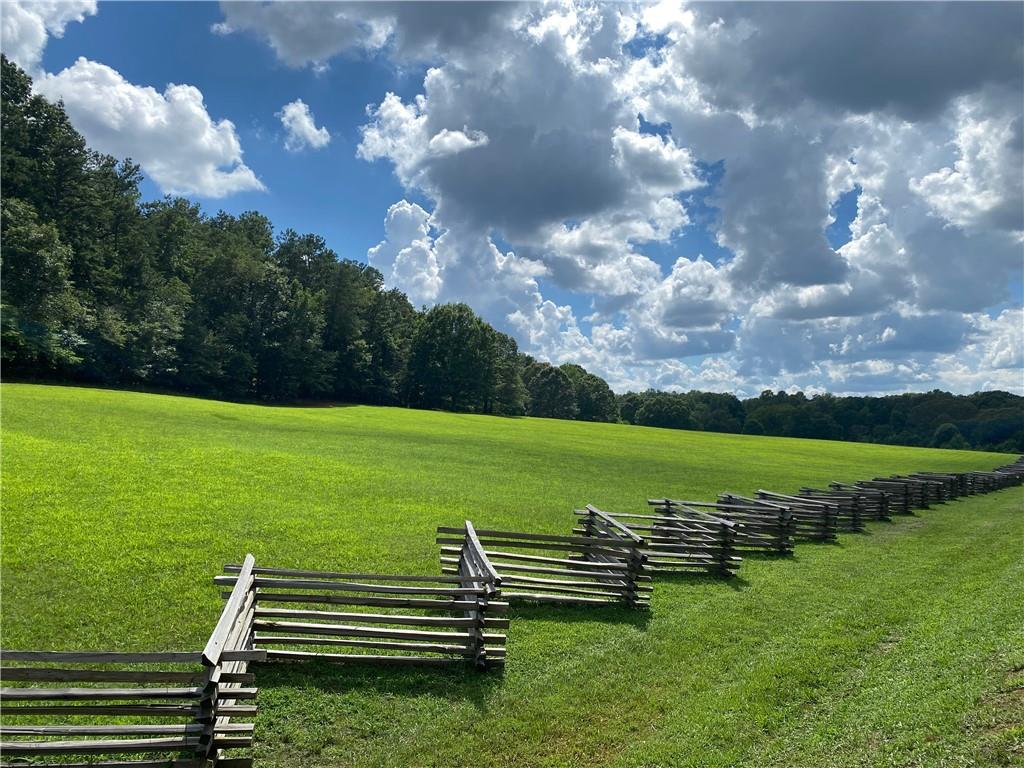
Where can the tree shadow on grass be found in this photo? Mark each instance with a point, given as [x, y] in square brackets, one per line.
[456, 683]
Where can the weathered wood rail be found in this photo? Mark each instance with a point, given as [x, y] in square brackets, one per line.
[381, 619]
[167, 708]
[679, 540]
[813, 520]
[549, 568]
[874, 503]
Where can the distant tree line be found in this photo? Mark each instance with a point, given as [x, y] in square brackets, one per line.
[985, 420]
[100, 287]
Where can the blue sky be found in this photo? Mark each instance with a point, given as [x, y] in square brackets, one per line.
[330, 192]
[716, 196]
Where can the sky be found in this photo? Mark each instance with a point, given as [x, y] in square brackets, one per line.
[715, 196]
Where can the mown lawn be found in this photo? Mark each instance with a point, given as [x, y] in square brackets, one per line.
[903, 646]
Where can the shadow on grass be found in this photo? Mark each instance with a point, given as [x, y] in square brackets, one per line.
[771, 557]
[612, 614]
[457, 683]
[735, 582]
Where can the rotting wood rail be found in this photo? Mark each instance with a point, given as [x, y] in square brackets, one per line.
[679, 540]
[549, 568]
[381, 619]
[197, 707]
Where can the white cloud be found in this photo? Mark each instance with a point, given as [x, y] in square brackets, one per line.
[26, 26]
[406, 257]
[983, 188]
[170, 134]
[446, 142]
[300, 128]
[526, 132]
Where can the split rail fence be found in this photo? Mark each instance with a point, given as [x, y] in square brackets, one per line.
[606, 564]
[183, 710]
[380, 618]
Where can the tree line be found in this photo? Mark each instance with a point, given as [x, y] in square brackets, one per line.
[992, 421]
[99, 286]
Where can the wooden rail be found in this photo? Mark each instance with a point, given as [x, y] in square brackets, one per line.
[606, 567]
[196, 708]
[380, 618]
[681, 539]
[813, 519]
[759, 526]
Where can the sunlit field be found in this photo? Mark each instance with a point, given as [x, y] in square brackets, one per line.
[900, 646]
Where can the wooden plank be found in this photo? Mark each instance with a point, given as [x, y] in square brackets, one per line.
[460, 650]
[478, 550]
[622, 529]
[423, 661]
[306, 574]
[440, 604]
[135, 710]
[358, 631]
[61, 674]
[103, 657]
[96, 694]
[215, 645]
[97, 746]
[99, 730]
[351, 586]
[575, 563]
[191, 762]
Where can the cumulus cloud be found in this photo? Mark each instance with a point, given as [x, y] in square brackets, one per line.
[170, 134]
[527, 132]
[311, 33]
[906, 58]
[300, 128]
[982, 189]
[26, 26]
[407, 257]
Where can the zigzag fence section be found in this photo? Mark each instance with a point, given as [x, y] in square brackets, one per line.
[137, 710]
[683, 540]
[418, 620]
[756, 526]
[607, 564]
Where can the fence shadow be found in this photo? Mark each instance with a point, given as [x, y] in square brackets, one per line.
[611, 614]
[736, 581]
[454, 683]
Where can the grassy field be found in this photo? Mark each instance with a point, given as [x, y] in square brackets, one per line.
[903, 646]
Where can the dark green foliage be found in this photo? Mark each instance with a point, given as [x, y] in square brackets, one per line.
[991, 421]
[450, 363]
[663, 409]
[595, 400]
[551, 392]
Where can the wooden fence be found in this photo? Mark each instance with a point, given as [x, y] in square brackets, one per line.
[167, 708]
[548, 568]
[813, 520]
[680, 540]
[874, 503]
[381, 619]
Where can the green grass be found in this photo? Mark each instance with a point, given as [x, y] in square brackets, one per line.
[903, 646]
